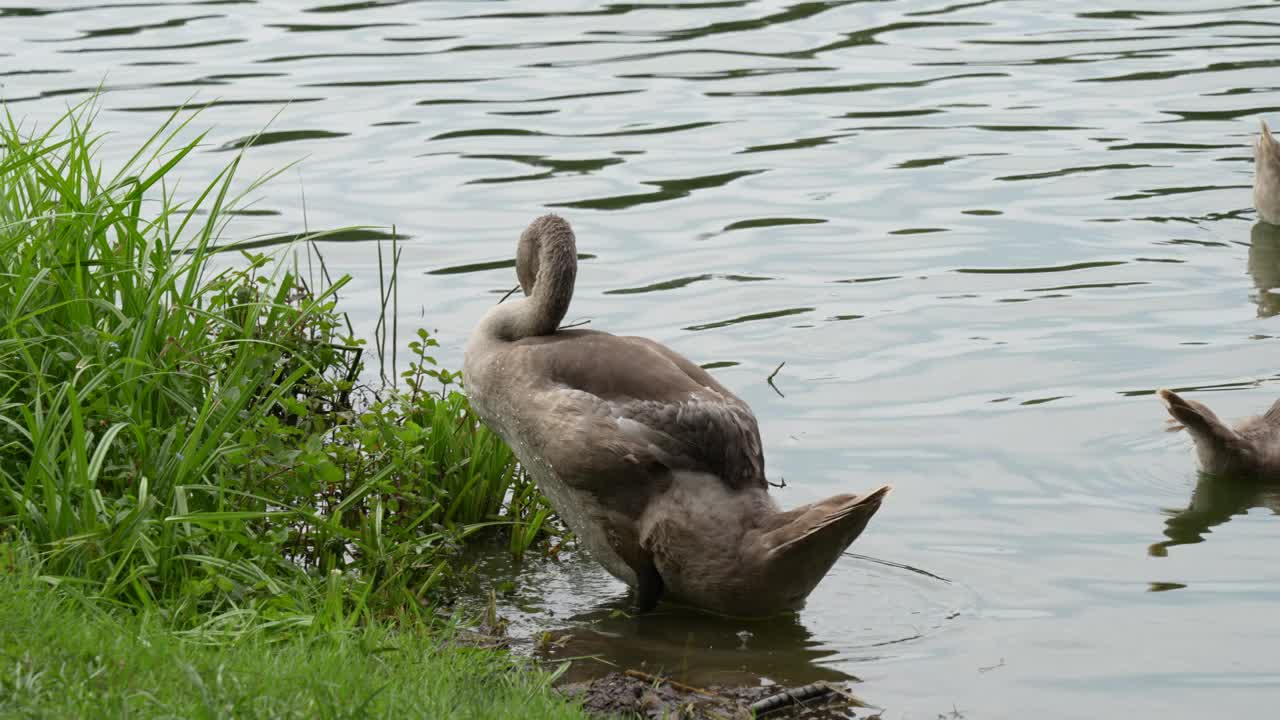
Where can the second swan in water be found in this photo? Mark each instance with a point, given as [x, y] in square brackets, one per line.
[1266, 176]
[654, 464]
[1250, 449]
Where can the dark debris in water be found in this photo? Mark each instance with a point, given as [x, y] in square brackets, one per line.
[636, 694]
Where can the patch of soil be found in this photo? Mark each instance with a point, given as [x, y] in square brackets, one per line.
[637, 694]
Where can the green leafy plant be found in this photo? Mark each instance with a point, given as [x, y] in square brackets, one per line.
[184, 428]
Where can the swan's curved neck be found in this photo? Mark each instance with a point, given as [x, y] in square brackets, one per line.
[547, 264]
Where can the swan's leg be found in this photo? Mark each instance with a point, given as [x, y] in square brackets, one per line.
[649, 587]
[624, 540]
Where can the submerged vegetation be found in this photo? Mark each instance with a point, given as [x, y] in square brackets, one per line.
[184, 429]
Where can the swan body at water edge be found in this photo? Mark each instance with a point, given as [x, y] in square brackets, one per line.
[652, 463]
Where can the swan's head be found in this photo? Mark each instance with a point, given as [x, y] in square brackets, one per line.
[544, 232]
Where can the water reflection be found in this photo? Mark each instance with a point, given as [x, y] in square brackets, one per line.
[1264, 267]
[1215, 501]
[586, 616]
[569, 608]
[692, 647]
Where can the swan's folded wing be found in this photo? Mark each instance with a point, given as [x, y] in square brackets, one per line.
[735, 426]
[643, 403]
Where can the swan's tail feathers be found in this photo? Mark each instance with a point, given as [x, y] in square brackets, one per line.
[802, 545]
[844, 519]
[1267, 156]
[1197, 418]
[1272, 415]
[1218, 445]
[1266, 176]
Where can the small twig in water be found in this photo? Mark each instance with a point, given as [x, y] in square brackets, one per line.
[890, 563]
[677, 685]
[989, 668]
[579, 323]
[595, 658]
[854, 700]
[774, 374]
[510, 292]
[782, 482]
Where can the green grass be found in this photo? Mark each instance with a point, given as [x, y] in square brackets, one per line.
[203, 512]
[63, 657]
[183, 430]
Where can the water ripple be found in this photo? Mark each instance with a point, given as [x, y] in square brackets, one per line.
[668, 190]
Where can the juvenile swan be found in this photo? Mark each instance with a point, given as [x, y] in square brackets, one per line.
[1251, 448]
[1266, 176]
[652, 463]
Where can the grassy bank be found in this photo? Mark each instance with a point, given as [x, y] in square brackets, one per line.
[185, 441]
[182, 431]
[65, 658]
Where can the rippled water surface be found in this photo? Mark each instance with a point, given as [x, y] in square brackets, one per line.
[979, 234]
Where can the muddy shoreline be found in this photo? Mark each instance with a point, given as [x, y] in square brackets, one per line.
[637, 694]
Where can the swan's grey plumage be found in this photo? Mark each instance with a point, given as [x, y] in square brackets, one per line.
[656, 466]
[1249, 448]
[1266, 176]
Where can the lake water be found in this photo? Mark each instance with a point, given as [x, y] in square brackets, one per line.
[979, 234]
